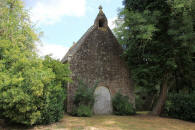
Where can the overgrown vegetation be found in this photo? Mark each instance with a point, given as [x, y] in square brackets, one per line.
[84, 100]
[158, 38]
[83, 111]
[32, 91]
[145, 98]
[159, 46]
[180, 106]
[121, 105]
[56, 100]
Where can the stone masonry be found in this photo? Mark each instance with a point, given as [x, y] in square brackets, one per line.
[97, 57]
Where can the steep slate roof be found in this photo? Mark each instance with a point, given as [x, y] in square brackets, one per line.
[75, 47]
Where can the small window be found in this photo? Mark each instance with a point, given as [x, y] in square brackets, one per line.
[101, 23]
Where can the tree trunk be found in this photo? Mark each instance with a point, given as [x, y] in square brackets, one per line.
[161, 100]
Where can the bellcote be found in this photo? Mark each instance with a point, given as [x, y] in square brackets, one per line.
[101, 20]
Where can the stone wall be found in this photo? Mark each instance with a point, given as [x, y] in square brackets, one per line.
[98, 59]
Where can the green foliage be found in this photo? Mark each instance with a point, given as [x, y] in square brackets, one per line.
[31, 91]
[158, 40]
[121, 105]
[54, 105]
[62, 73]
[82, 111]
[145, 98]
[61, 70]
[84, 95]
[56, 100]
[83, 100]
[139, 103]
[151, 36]
[180, 106]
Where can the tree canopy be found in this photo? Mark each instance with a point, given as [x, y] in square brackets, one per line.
[158, 40]
[32, 90]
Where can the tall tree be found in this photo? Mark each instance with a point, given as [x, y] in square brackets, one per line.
[158, 39]
[31, 91]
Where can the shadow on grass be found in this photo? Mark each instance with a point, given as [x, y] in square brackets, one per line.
[5, 125]
[140, 121]
[142, 112]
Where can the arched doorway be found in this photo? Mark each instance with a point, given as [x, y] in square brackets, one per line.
[103, 101]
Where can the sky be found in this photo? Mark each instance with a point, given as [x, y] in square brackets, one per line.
[65, 21]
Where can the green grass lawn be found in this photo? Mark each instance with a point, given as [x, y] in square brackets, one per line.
[141, 121]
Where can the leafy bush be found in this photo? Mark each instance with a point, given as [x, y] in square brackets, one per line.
[145, 97]
[83, 100]
[121, 105]
[54, 105]
[32, 91]
[82, 111]
[56, 100]
[31, 95]
[23, 91]
[180, 106]
[139, 103]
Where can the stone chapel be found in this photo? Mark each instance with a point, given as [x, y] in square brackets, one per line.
[97, 57]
